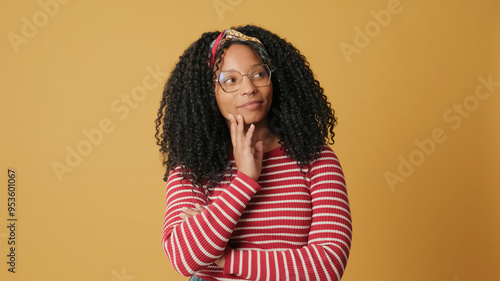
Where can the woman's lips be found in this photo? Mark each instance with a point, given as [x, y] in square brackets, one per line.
[251, 105]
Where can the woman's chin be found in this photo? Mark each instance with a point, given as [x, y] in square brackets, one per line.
[253, 118]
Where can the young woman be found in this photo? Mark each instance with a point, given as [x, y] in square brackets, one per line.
[254, 192]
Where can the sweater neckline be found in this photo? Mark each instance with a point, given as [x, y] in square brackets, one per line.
[271, 153]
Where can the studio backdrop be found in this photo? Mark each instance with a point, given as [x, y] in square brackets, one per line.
[415, 85]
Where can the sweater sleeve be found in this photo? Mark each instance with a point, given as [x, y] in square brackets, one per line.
[327, 250]
[198, 241]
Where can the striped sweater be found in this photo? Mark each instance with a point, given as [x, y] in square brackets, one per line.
[285, 226]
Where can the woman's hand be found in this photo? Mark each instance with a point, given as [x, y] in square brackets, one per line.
[189, 212]
[247, 154]
[221, 261]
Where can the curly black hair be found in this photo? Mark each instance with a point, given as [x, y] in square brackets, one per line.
[194, 135]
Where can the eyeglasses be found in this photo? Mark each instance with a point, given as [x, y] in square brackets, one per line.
[230, 81]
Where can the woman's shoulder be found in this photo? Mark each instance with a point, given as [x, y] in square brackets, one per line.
[327, 151]
[179, 175]
[326, 156]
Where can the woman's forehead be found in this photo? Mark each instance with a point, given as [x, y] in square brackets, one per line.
[239, 57]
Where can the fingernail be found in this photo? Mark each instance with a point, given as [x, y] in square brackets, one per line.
[184, 209]
[239, 116]
[196, 205]
[230, 116]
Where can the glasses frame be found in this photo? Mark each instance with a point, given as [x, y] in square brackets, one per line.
[248, 74]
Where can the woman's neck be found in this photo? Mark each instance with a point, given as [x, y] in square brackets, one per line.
[265, 134]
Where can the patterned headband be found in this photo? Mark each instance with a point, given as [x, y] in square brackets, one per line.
[232, 34]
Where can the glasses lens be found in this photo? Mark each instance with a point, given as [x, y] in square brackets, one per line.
[260, 75]
[230, 80]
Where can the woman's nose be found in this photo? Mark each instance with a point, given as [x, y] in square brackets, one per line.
[247, 86]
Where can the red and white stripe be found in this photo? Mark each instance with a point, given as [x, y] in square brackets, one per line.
[286, 226]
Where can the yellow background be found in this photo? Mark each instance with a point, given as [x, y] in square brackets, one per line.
[104, 219]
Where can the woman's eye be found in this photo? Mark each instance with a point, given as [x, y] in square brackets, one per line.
[229, 80]
[259, 74]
